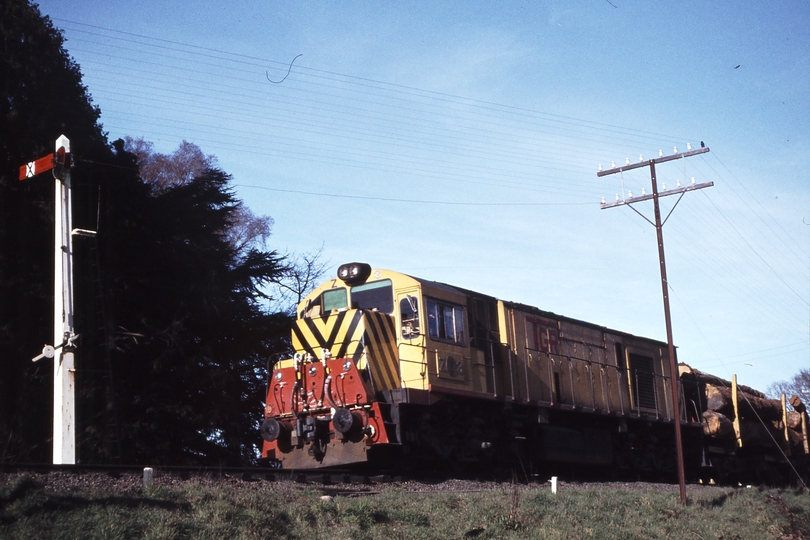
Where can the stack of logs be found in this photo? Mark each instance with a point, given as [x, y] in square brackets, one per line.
[752, 406]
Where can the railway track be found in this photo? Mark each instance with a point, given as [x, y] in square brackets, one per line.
[332, 476]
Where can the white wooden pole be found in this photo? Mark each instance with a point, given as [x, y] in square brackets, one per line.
[64, 405]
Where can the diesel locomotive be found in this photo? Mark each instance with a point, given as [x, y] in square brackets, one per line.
[390, 368]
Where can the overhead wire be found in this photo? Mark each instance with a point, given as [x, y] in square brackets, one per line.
[580, 122]
[411, 201]
[379, 127]
[409, 90]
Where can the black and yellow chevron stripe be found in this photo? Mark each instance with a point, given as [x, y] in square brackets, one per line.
[367, 337]
[380, 340]
[340, 332]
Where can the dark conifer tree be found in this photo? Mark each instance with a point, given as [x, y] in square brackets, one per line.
[190, 339]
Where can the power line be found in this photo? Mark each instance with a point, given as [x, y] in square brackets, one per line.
[410, 201]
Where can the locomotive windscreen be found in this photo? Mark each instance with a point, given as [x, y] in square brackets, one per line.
[377, 294]
[334, 299]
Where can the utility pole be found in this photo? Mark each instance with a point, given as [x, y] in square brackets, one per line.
[673, 367]
[64, 338]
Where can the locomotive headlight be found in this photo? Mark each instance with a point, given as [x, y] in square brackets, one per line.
[313, 371]
[278, 376]
[347, 365]
[354, 272]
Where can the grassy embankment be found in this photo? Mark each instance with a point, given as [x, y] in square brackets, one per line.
[275, 510]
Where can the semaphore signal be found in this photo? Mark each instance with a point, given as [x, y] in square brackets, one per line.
[64, 337]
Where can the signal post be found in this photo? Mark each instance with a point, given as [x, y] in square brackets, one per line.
[62, 351]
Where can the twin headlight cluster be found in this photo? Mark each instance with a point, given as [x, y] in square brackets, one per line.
[354, 272]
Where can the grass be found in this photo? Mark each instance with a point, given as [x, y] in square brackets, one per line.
[282, 510]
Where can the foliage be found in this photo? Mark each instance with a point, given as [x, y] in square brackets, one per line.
[302, 273]
[799, 385]
[281, 510]
[186, 337]
[244, 230]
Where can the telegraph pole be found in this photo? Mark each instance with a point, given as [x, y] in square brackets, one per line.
[673, 367]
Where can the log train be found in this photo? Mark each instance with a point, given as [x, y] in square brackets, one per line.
[392, 369]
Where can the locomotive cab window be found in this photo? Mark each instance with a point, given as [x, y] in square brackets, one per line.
[409, 314]
[446, 322]
[377, 294]
[334, 299]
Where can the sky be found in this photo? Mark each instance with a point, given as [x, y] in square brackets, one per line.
[459, 142]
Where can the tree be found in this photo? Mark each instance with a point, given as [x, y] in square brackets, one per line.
[189, 338]
[302, 273]
[245, 230]
[799, 385]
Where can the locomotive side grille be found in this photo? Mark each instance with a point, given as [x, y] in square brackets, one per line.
[643, 381]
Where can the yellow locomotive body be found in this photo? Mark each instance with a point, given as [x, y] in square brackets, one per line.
[391, 365]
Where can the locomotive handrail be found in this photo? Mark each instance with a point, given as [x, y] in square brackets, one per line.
[511, 373]
[492, 362]
[526, 378]
[571, 379]
[400, 358]
[552, 389]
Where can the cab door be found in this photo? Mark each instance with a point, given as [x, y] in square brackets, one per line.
[411, 339]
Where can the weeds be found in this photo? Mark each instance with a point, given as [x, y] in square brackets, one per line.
[262, 511]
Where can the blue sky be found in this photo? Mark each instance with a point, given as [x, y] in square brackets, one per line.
[459, 142]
